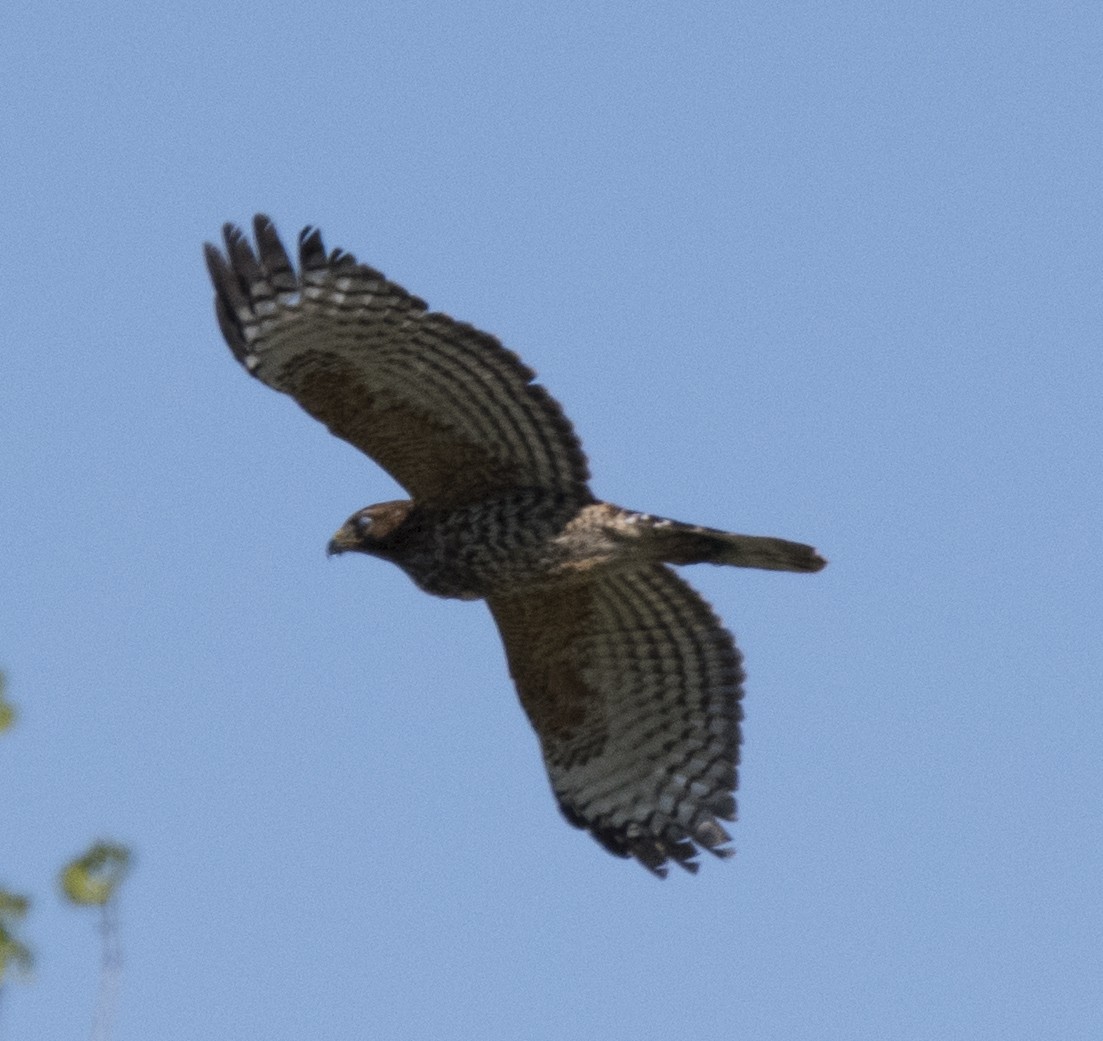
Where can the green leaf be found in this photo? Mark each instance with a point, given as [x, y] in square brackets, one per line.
[14, 954]
[7, 709]
[92, 878]
[12, 906]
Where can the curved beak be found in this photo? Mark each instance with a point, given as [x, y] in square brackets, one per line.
[342, 542]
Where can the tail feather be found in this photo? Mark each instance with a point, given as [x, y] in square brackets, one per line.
[687, 544]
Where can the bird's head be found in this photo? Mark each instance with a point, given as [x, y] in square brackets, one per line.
[369, 530]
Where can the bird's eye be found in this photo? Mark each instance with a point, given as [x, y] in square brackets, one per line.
[363, 524]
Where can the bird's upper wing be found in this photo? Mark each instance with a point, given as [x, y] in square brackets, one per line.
[633, 687]
[449, 412]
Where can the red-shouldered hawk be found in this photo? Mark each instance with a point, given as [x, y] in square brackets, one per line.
[628, 678]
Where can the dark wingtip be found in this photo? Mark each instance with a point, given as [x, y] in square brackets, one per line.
[231, 236]
[312, 252]
[216, 262]
[230, 297]
[273, 257]
[242, 275]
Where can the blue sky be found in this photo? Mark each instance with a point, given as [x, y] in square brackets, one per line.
[832, 272]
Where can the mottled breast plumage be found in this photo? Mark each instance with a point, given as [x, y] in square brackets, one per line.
[470, 551]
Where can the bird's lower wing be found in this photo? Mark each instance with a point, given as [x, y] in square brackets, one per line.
[633, 687]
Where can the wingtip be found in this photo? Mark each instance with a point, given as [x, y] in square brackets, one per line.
[216, 262]
[231, 234]
[273, 257]
[312, 251]
[230, 298]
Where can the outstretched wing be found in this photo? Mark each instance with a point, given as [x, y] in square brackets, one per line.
[633, 687]
[449, 412]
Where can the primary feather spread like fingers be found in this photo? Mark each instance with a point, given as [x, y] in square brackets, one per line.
[448, 411]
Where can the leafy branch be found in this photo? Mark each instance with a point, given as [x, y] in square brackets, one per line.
[89, 880]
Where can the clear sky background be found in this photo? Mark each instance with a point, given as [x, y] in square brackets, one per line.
[827, 271]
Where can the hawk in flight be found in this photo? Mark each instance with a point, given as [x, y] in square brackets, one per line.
[630, 681]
